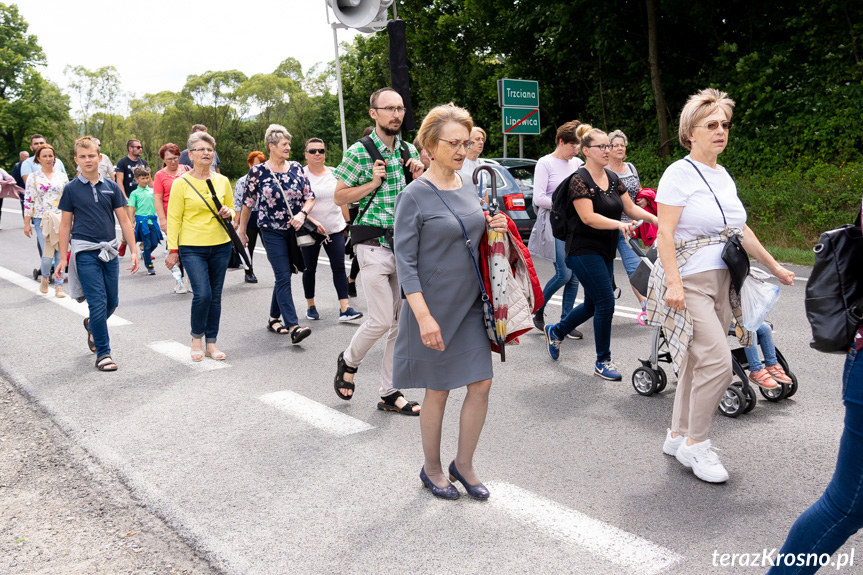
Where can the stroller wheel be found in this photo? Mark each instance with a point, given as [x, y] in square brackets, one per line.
[36, 274]
[789, 389]
[776, 394]
[663, 379]
[645, 380]
[751, 398]
[733, 402]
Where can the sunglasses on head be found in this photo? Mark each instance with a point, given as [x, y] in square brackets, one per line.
[316, 151]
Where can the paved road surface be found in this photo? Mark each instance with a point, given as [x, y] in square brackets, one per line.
[262, 469]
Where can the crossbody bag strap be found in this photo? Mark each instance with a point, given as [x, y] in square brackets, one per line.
[276, 179]
[191, 185]
[222, 221]
[467, 240]
[724, 221]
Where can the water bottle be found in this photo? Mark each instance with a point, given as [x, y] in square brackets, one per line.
[175, 271]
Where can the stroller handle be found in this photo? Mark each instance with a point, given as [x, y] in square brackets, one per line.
[493, 206]
[636, 247]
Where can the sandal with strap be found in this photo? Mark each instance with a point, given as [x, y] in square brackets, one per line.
[105, 363]
[91, 345]
[299, 333]
[340, 382]
[276, 326]
[388, 403]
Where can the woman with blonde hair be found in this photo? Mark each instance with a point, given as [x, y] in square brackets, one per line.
[699, 210]
[442, 344]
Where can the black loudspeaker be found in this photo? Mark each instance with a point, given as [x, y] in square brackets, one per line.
[399, 70]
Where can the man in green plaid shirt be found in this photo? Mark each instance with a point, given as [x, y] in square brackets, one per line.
[359, 175]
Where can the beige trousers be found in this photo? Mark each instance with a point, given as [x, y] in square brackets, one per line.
[705, 372]
[383, 298]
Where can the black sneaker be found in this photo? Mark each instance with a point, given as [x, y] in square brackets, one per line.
[539, 321]
[575, 334]
[250, 278]
[352, 289]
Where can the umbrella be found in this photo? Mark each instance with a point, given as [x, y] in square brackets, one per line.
[9, 189]
[497, 264]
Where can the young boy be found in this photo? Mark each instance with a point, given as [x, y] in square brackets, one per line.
[142, 207]
[89, 204]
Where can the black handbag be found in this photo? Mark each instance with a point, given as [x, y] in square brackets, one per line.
[733, 254]
[834, 292]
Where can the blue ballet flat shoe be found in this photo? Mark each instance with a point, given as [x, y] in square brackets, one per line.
[478, 491]
[448, 492]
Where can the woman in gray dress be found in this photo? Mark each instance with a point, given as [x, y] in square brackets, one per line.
[442, 343]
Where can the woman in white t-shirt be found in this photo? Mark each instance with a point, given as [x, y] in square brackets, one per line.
[697, 198]
[331, 221]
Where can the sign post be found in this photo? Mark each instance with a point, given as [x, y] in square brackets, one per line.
[519, 103]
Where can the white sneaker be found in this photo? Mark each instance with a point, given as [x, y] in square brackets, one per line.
[703, 461]
[672, 444]
[180, 288]
[187, 284]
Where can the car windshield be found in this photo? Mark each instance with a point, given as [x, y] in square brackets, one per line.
[523, 177]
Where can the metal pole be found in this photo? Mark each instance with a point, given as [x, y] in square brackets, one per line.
[504, 146]
[341, 96]
[520, 147]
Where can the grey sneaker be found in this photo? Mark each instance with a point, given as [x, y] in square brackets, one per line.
[703, 461]
[575, 334]
[672, 444]
[539, 321]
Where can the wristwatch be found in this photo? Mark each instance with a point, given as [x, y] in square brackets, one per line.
[304, 212]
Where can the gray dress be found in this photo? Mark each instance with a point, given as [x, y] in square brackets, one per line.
[431, 257]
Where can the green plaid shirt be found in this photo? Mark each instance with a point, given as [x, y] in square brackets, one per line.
[356, 170]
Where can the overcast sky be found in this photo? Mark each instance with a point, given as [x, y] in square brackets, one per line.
[155, 44]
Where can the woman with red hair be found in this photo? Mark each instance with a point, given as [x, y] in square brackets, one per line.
[252, 230]
[170, 154]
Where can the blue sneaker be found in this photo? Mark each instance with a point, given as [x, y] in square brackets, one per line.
[349, 314]
[312, 313]
[553, 343]
[607, 370]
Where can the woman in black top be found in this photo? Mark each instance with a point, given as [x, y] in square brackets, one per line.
[598, 199]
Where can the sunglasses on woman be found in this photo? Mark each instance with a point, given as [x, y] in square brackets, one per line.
[726, 125]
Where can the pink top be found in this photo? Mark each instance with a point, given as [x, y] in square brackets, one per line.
[548, 174]
[163, 182]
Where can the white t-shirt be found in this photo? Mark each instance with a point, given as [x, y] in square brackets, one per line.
[325, 211]
[681, 185]
[466, 173]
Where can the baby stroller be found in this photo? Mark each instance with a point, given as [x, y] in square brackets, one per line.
[650, 378]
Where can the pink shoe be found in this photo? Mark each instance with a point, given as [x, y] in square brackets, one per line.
[777, 373]
[642, 318]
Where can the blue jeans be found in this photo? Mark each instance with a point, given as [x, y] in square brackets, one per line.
[282, 303]
[47, 260]
[595, 275]
[206, 267]
[335, 249]
[765, 340]
[99, 280]
[563, 276]
[627, 255]
[838, 514]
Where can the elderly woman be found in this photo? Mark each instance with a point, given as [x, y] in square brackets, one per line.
[42, 194]
[196, 236]
[252, 230]
[471, 162]
[441, 343]
[550, 171]
[331, 220]
[699, 210]
[281, 192]
[598, 198]
[629, 178]
[162, 182]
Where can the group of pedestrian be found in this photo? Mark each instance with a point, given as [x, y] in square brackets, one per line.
[414, 217]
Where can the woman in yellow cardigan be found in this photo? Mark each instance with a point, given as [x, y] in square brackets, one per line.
[201, 241]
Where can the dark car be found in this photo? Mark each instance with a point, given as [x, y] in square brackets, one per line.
[514, 178]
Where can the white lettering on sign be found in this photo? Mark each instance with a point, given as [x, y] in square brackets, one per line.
[519, 93]
[532, 121]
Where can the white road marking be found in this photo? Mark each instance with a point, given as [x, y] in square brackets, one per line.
[182, 354]
[67, 302]
[315, 414]
[609, 542]
[558, 300]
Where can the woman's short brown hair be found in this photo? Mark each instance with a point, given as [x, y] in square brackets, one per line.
[698, 107]
[435, 120]
[169, 147]
[38, 152]
[567, 133]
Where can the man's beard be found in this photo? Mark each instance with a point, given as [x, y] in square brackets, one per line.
[390, 131]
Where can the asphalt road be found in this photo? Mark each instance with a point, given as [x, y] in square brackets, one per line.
[260, 467]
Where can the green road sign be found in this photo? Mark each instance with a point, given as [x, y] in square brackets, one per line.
[523, 93]
[521, 121]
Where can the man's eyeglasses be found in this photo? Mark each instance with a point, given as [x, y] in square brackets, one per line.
[316, 151]
[393, 109]
[726, 125]
[602, 147]
[454, 144]
[205, 150]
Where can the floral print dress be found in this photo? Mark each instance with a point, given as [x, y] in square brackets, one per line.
[275, 199]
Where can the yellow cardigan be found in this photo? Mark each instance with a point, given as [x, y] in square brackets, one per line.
[190, 222]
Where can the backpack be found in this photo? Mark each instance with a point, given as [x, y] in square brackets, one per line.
[562, 217]
[834, 292]
[373, 151]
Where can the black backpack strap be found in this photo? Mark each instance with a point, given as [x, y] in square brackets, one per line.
[371, 148]
[406, 157]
